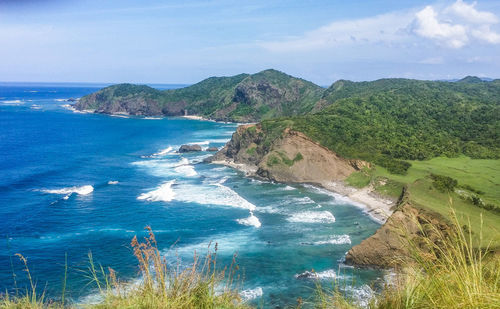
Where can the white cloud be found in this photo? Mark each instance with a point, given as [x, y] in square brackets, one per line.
[469, 13]
[427, 25]
[456, 25]
[381, 28]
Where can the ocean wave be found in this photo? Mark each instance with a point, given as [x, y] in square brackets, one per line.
[338, 198]
[302, 200]
[82, 190]
[211, 194]
[335, 240]
[162, 168]
[113, 182]
[163, 151]
[153, 118]
[186, 170]
[312, 217]
[163, 193]
[250, 221]
[251, 293]
[12, 102]
[327, 274]
[60, 100]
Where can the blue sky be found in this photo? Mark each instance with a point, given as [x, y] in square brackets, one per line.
[186, 41]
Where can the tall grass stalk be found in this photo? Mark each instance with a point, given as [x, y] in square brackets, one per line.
[200, 285]
[446, 270]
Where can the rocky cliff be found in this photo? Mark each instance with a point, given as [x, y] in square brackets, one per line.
[290, 157]
[391, 245]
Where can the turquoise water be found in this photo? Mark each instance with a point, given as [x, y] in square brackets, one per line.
[76, 183]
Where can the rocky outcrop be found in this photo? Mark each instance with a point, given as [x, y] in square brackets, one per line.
[189, 148]
[212, 149]
[289, 157]
[405, 228]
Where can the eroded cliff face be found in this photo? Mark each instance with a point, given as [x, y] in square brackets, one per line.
[290, 157]
[391, 244]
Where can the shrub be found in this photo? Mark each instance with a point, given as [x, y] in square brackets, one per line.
[444, 183]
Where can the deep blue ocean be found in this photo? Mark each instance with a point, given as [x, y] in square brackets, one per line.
[74, 183]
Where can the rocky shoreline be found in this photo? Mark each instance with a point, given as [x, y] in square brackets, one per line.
[377, 207]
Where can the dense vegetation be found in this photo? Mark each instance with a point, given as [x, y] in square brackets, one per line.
[390, 120]
[242, 97]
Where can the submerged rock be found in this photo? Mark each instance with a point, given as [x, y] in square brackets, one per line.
[189, 148]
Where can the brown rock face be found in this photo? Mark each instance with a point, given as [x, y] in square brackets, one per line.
[296, 158]
[291, 157]
[389, 246]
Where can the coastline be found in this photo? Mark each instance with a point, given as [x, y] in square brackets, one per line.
[375, 206]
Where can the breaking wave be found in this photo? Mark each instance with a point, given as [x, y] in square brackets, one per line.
[335, 240]
[250, 221]
[251, 293]
[163, 193]
[312, 217]
[83, 190]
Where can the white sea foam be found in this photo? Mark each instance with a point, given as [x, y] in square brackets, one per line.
[186, 170]
[12, 102]
[250, 221]
[270, 210]
[211, 194]
[83, 190]
[153, 118]
[335, 240]
[112, 182]
[288, 188]
[199, 143]
[162, 168]
[163, 151]
[251, 293]
[338, 198]
[60, 100]
[302, 200]
[327, 274]
[312, 217]
[362, 295]
[163, 193]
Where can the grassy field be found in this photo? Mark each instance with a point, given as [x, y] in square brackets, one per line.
[481, 175]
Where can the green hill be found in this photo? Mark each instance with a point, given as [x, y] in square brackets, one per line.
[404, 119]
[241, 98]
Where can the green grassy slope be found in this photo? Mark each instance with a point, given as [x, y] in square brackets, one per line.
[474, 174]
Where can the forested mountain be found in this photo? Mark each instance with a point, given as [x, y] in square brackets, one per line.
[391, 119]
[242, 98]
[386, 118]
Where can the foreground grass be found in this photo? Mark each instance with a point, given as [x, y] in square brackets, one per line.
[202, 285]
[447, 272]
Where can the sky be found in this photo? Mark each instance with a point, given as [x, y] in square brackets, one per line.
[153, 41]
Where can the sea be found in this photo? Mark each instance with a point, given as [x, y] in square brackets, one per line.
[78, 184]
